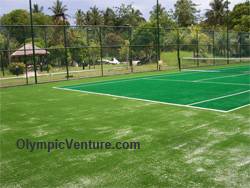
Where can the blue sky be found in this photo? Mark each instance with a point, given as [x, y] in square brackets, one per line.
[144, 5]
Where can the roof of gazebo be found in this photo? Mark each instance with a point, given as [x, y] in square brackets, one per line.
[28, 51]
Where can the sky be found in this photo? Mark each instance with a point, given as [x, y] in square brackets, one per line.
[143, 5]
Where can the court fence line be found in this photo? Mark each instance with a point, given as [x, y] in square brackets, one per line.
[102, 49]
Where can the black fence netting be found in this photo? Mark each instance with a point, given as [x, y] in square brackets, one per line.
[64, 52]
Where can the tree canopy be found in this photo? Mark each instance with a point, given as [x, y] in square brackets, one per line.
[165, 18]
[185, 13]
[240, 17]
[217, 14]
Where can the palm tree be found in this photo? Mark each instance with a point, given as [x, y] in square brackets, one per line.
[109, 17]
[58, 9]
[135, 17]
[185, 12]
[165, 19]
[127, 15]
[95, 15]
[87, 18]
[37, 9]
[79, 16]
[217, 14]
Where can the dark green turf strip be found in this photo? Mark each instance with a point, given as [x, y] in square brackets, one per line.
[162, 90]
[227, 103]
[181, 88]
[240, 79]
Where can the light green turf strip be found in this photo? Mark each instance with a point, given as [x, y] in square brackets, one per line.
[180, 147]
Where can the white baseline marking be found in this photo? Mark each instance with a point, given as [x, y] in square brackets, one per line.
[220, 83]
[145, 100]
[225, 96]
[127, 80]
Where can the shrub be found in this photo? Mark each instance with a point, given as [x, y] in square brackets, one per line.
[48, 68]
[17, 68]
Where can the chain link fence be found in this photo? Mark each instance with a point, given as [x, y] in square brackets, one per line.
[74, 52]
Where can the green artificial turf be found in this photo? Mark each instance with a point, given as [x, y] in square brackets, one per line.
[180, 146]
[222, 90]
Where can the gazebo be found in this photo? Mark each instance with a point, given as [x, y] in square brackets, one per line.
[27, 51]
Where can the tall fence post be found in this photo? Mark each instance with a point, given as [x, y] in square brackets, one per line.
[197, 47]
[25, 59]
[46, 46]
[101, 52]
[178, 49]
[2, 65]
[65, 47]
[227, 46]
[130, 49]
[88, 53]
[33, 41]
[240, 43]
[213, 33]
[8, 49]
[227, 32]
[158, 35]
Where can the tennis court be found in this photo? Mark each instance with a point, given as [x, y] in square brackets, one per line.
[217, 89]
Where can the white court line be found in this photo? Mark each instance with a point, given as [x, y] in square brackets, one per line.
[138, 99]
[214, 78]
[238, 107]
[213, 99]
[152, 78]
[220, 83]
[216, 58]
[126, 80]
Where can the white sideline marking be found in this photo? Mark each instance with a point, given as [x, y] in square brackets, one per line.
[152, 101]
[214, 78]
[238, 107]
[225, 96]
[145, 100]
[126, 80]
[217, 58]
[198, 70]
[220, 83]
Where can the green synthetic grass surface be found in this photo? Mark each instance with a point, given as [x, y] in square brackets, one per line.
[186, 88]
[180, 147]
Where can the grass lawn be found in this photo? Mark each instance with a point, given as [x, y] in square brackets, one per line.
[170, 58]
[180, 146]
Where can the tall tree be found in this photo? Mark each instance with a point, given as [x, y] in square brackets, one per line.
[240, 17]
[37, 8]
[87, 18]
[95, 16]
[109, 17]
[164, 17]
[217, 14]
[128, 15]
[135, 17]
[16, 17]
[185, 12]
[57, 9]
[79, 17]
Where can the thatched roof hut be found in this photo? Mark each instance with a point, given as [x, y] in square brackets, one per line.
[28, 51]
